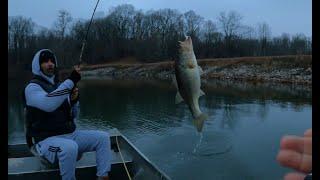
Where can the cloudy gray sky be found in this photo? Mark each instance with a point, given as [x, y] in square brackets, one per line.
[290, 16]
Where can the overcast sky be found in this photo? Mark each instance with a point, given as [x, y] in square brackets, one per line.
[290, 16]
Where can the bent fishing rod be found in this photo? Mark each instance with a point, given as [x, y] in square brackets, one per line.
[85, 38]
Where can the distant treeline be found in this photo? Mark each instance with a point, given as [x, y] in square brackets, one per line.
[148, 36]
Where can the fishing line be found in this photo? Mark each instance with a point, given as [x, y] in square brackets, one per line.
[124, 164]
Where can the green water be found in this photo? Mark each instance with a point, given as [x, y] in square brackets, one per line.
[240, 139]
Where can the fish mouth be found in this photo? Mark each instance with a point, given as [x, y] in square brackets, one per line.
[186, 45]
[187, 38]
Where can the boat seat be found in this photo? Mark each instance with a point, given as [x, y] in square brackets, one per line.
[44, 162]
[30, 168]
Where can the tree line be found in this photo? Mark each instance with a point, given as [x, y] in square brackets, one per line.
[150, 36]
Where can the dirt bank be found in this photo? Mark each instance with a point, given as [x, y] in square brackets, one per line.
[282, 69]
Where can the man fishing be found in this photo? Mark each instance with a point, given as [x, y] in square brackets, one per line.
[51, 109]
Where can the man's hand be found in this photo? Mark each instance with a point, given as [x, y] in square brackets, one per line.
[296, 152]
[77, 68]
[74, 94]
[75, 75]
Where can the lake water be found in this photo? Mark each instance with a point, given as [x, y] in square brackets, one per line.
[240, 140]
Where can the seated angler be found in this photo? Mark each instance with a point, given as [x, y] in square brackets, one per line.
[51, 108]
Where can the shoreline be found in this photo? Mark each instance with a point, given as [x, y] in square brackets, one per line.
[274, 69]
[281, 70]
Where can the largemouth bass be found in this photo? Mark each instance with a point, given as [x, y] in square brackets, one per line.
[188, 83]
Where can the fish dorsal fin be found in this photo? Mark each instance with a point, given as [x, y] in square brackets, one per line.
[200, 70]
[179, 99]
[201, 93]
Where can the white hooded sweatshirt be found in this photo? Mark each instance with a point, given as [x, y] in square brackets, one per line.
[38, 97]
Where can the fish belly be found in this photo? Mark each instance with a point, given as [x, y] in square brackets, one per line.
[188, 80]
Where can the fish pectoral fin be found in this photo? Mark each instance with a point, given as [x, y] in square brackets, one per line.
[201, 93]
[179, 99]
[200, 70]
[174, 82]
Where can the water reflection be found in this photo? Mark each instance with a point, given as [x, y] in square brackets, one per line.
[16, 119]
[15, 111]
[143, 108]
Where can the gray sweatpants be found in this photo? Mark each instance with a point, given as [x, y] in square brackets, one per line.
[67, 147]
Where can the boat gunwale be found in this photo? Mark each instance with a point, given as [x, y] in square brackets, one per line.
[147, 160]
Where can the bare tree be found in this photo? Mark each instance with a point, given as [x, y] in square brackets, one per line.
[210, 38]
[20, 29]
[299, 44]
[285, 42]
[193, 23]
[230, 23]
[123, 16]
[208, 29]
[247, 32]
[138, 29]
[61, 24]
[264, 35]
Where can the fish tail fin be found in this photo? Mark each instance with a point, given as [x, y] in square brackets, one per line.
[199, 121]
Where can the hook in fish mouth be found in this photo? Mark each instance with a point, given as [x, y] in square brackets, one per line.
[188, 38]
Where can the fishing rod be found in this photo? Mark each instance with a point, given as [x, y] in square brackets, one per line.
[80, 59]
[85, 39]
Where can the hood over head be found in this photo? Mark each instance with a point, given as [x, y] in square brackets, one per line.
[36, 64]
